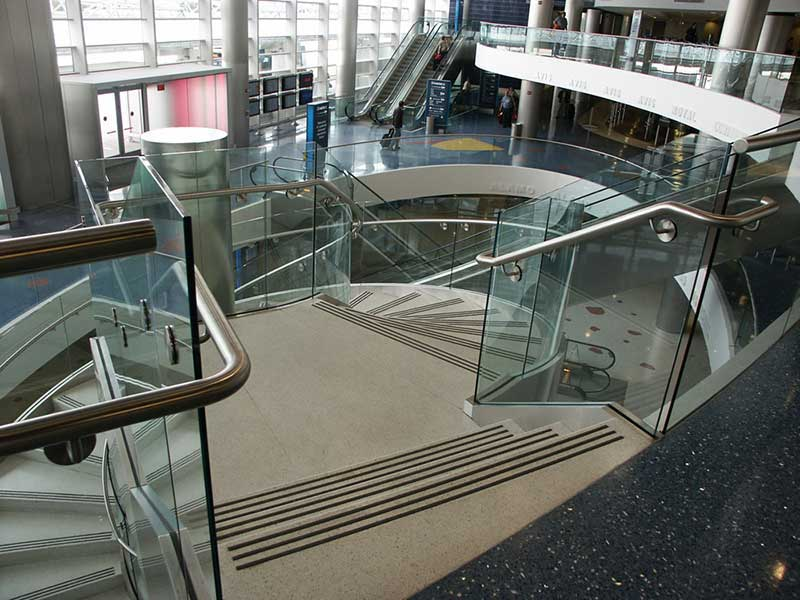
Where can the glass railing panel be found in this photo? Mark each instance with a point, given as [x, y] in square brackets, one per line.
[757, 77]
[751, 296]
[147, 306]
[332, 250]
[44, 336]
[509, 318]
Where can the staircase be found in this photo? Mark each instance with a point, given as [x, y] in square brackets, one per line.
[56, 540]
[279, 522]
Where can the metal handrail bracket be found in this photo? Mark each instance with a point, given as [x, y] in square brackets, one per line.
[766, 207]
[76, 246]
[96, 418]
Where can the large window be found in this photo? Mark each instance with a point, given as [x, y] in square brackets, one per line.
[283, 35]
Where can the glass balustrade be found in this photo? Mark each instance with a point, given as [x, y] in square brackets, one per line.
[757, 77]
[128, 508]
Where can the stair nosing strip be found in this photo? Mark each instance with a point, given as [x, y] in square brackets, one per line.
[498, 479]
[559, 441]
[383, 487]
[489, 431]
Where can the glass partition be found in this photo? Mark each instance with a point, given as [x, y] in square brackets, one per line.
[757, 77]
[750, 297]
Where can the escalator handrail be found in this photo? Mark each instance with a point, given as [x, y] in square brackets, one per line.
[414, 69]
[379, 82]
[444, 66]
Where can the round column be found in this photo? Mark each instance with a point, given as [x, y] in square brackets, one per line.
[347, 37]
[742, 25]
[184, 158]
[235, 56]
[775, 33]
[530, 100]
[417, 10]
[572, 10]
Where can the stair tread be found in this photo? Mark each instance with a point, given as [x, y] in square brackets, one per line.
[262, 546]
[374, 483]
[389, 458]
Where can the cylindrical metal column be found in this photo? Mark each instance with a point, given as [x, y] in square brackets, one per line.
[593, 18]
[188, 171]
[465, 13]
[572, 10]
[742, 25]
[775, 33]
[235, 56]
[591, 24]
[347, 39]
[32, 107]
[530, 101]
[417, 10]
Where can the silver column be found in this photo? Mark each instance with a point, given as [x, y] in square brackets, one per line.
[235, 55]
[775, 33]
[199, 168]
[347, 37]
[742, 25]
[31, 105]
[530, 101]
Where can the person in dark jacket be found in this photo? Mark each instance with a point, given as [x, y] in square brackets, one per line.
[397, 123]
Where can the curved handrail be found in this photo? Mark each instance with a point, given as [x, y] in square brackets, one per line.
[281, 187]
[766, 208]
[41, 333]
[97, 418]
[69, 379]
[75, 246]
[104, 482]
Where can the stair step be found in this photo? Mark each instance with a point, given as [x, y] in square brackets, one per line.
[32, 500]
[83, 544]
[295, 536]
[315, 482]
[68, 578]
[268, 514]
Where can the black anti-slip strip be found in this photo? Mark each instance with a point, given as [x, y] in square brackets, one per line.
[426, 308]
[327, 488]
[359, 299]
[442, 355]
[563, 444]
[437, 502]
[393, 303]
[264, 521]
[458, 439]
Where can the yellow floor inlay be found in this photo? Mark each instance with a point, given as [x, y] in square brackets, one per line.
[466, 144]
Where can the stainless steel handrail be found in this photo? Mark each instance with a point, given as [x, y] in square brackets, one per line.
[766, 208]
[280, 187]
[104, 483]
[97, 418]
[766, 140]
[77, 246]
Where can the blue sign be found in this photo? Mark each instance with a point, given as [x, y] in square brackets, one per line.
[318, 122]
[437, 103]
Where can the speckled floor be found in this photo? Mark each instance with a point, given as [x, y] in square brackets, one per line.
[710, 511]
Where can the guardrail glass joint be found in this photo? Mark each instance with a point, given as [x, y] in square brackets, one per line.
[757, 77]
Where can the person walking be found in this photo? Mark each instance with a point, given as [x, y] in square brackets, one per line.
[560, 24]
[508, 107]
[397, 123]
